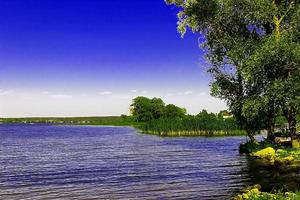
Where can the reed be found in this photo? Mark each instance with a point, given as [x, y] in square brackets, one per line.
[192, 126]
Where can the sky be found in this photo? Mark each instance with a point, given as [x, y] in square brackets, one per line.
[91, 58]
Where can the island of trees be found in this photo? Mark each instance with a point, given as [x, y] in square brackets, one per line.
[155, 117]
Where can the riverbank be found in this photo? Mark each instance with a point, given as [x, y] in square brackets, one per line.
[105, 121]
[272, 154]
[195, 133]
[284, 162]
[161, 127]
[255, 193]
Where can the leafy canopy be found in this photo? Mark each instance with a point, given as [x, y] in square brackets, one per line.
[254, 50]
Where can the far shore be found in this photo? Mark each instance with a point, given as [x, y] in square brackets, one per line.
[117, 121]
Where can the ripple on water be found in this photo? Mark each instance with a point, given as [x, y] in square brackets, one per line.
[65, 162]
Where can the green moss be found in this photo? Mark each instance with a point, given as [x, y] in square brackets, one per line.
[288, 154]
[272, 154]
[269, 196]
[267, 154]
[296, 143]
[251, 147]
[254, 193]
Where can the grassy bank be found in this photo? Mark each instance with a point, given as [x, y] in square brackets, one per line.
[109, 120]
[284, 162]
[273, 154]
[254, 193]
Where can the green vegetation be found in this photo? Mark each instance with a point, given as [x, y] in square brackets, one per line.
[144, 109]
[253, 47]
[255, 194]
[273, 154]
[254, 50]
[283, 153]
[284, 161]
[192, 126]
[109, 121]
[171, 120]
[153, 116]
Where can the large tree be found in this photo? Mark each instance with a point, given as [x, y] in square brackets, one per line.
[172, 111]
[145, 109]
[253, 46]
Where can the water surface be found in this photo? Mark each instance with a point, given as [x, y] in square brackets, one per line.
[76, 162]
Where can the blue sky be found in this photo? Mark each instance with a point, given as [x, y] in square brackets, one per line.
[91, 57]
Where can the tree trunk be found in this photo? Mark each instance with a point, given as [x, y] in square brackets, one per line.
[251, 137]
[271, 130]
[271, 123]
[291, 117]
[292, 127]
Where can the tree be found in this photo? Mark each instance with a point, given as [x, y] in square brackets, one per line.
[172, 111]
[144, 109]
[158, 107]
[252, 45]
[205, 115]
[277, 61]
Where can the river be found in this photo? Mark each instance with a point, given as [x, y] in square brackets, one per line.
[85, 162]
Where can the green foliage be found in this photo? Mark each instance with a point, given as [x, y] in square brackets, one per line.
[256, 195]
[172, 111]
[171, 120]
[254, 50]
[295, 153]
[144, 109]
[203, 124]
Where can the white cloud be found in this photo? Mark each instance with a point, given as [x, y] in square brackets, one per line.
[188, 92]
[133, 91]
[45, 92]
[106, 93]
[5, 92]
[30, 103]
[202, 93]
[61, 96]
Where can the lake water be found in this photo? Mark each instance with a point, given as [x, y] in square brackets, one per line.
[81, 162]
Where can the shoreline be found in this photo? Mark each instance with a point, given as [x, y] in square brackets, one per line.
[284, 162]
[183, 133]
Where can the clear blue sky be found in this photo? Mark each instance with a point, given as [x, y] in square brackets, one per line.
[90, 57]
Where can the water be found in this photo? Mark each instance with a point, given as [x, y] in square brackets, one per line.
[68, 162]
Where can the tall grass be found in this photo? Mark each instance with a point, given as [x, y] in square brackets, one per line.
[192, 126]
